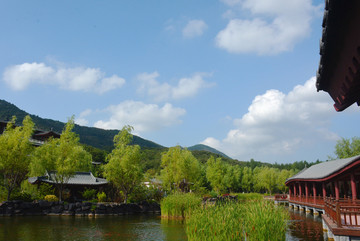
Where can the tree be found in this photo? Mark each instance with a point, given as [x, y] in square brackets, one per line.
[247, 179]
[123, 167]
[233, 177]
[345, 148]
[15, 149]
[266, 178]
[215, 173]
[179, 165]
[64, 155]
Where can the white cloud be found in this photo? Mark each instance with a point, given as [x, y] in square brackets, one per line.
[143, 117]
[279, 124]
[276, 26]
[186, 87]
[194, 28]
[81, 119]
[19, 77]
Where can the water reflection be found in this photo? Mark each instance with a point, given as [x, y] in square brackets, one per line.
[127, 227]
[304, 227]
[131, 227]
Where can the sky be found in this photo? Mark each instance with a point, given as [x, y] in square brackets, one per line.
[237, 75]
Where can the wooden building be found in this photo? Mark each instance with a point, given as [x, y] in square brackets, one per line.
[333, 189]
[339, 67]
[39, 136]
[75, 185]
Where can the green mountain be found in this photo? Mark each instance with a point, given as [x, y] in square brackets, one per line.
[201, 147]
[92, 136]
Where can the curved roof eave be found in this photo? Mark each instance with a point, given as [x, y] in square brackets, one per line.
[325, 170]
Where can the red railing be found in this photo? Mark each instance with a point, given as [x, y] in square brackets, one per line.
[317, 201]
[281, 197]
[344, 212]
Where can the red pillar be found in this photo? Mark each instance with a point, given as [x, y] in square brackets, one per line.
[289, 190]
[323, 190]
[306, 190]
[314, 190]
[337, 190]
[353, 186]
[294, 189]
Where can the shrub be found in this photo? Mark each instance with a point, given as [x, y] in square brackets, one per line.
[23, 196]
[51, 198]
[179, 205]
[101, 196]
[89, 194]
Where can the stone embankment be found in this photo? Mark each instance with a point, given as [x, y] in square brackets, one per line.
[19, 208]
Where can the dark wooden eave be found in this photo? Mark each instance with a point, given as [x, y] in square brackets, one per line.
[339, 67]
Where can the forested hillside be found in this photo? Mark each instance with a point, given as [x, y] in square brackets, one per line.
[92, 136]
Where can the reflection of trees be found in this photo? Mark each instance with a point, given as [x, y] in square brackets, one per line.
[305, 228]
[173, 229]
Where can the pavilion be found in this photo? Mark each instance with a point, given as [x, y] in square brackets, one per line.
[76, 183]
[331, 188]
[339, 67]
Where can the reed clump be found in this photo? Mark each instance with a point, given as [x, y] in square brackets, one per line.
[179, 205]
[251, 220]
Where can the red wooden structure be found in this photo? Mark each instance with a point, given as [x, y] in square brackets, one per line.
[332, 187]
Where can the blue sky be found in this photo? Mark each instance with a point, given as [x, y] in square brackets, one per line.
[237, 75]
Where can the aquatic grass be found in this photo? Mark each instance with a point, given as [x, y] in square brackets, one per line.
[249, 196]
[179, 205]
[265, 221]
[252, 220]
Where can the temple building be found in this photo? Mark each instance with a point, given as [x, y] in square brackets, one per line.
[330, 188]
[339, 67]
[39, 136]
[75, 185]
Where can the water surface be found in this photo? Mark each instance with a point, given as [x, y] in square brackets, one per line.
[127, 227]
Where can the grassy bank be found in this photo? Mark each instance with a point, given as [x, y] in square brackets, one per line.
[251, 220]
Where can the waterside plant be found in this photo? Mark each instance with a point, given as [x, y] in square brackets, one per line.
[179, 205]
[251, 220]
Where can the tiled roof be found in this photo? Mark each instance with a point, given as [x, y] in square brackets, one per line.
[324, 169]
[80, 178]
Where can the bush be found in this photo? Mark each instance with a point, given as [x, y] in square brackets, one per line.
[22, 196]
[51, 198]
[101, 196]
[89, 194]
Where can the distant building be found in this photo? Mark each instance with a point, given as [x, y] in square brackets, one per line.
[76, 184]
[39, 136]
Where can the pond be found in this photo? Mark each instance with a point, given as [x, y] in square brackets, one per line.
[127, 227]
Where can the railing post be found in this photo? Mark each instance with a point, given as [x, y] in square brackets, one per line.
[338, 218]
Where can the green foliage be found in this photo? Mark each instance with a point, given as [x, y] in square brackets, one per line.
[22, 196]
[64, 155]
[252, 220]
[15, 150]
[179, 205]
[89, 194]
[215, 173]
[179, 165]
[345, 148]
[249, 196]
[96, 137]
[101, 196]
[123, 167]
[51, 198]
